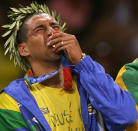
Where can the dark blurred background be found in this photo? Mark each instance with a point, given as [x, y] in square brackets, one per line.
[107, 30]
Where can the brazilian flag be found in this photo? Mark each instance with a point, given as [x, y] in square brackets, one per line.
[127, 79]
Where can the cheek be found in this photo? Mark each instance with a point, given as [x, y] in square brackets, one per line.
[37, 43]
[41, 38]
[38, 37]
[37, 40]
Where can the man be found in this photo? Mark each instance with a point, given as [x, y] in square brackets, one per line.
[53, 95]
[127, 79]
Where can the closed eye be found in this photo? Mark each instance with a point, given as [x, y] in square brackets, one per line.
[39, 28]
[56, 27]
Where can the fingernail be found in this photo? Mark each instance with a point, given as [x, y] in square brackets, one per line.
[50, 37]
[48, 43]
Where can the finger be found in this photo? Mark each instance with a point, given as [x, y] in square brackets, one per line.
[56, 35]
[60, 47]
[63, 43]
[59, 40]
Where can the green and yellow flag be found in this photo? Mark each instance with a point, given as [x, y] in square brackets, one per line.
[127, 79]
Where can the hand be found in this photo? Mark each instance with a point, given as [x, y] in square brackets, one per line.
[67, 43]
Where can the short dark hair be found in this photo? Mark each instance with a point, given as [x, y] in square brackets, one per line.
[22, 32]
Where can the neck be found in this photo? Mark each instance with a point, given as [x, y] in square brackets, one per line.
[40, 69]
[57, 81]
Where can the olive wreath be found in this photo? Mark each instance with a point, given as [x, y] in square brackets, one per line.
[16, 17]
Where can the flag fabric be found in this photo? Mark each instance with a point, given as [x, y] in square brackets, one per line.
[127, 79]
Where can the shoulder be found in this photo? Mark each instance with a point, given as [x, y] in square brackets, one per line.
[131, 71]
[128, 71]
[14, 85]
[16, 82]
[6, 101]
[127, 78]
[133, 66]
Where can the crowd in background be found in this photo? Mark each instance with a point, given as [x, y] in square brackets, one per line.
[106, 29]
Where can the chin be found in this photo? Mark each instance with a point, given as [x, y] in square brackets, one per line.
[57, 56]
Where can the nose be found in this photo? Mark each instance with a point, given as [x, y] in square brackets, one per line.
[50, 31]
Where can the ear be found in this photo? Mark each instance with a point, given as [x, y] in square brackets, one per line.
[23, 49]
